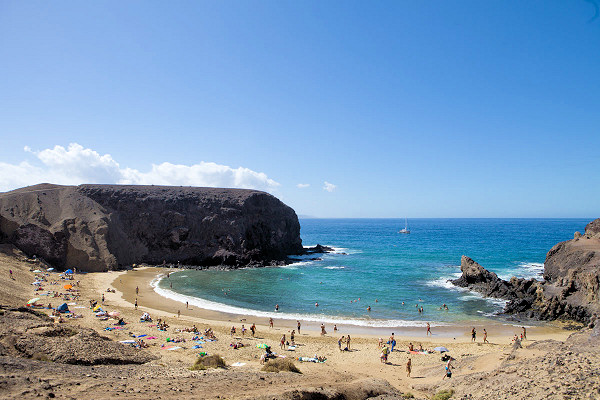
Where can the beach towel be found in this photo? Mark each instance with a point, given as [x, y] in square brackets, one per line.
[141, 335]
[127, 341]
[197, 346]
[174, 348]
[151, 337]
[418, 352]
[238, 364]
[262, 346]
[292, 348]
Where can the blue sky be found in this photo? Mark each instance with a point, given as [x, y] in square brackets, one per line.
[406, 108]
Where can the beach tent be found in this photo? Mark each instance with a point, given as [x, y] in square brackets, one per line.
[69, 271]
[63, 308]
[97, 308]
[33, 301]
[441, 349]
[50, 269]
[68, 287]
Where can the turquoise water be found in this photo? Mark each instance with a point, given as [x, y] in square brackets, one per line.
[382, 268]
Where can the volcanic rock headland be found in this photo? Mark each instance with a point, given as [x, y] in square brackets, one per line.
[100, 227]
[571, 286]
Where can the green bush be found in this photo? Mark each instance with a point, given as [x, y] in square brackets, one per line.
[443, 394]
[281, 364]
[204, 362]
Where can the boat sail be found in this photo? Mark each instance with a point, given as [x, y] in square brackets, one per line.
[405, 230]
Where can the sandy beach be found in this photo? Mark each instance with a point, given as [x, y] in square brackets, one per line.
[361, 364]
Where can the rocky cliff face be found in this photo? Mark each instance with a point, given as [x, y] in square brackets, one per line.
[571, 286]
[96, 227]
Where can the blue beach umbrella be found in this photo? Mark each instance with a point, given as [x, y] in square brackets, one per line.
[69, 271]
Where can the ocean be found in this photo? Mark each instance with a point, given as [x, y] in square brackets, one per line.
[375, 266]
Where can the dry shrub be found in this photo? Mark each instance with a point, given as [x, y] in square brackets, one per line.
[443, 394]
[281, 364]
[204, 362]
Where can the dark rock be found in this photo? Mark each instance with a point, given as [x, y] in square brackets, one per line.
[99, 227]
[318, 249]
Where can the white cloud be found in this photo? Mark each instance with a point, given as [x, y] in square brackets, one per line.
[330, 187]
[76, 165]
[303, 185]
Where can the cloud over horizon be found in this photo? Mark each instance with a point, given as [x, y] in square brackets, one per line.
[303, 185]
[75, 165]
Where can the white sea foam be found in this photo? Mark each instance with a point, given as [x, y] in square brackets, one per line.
[215, 306]
[334, 267]
[444, 282]
[524, 269]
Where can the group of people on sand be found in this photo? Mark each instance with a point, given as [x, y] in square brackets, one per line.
[161, 325]
[344, 340]
[243, 330]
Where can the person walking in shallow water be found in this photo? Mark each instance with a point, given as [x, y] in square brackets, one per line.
[428, 330]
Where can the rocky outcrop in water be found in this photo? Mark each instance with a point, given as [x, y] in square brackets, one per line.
[99, 227]
[571, 286]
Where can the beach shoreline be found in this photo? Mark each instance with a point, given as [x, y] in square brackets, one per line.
[151, 301]
[360, 365]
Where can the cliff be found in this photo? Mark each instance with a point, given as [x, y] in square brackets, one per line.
[97, 227]
[571, 286]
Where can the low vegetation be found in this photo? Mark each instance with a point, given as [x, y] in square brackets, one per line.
[281, 364]
[443, 394]
[205, 362]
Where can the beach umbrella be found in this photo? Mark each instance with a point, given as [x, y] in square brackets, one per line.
[69, 271]
[97, 308]
[33, 300]
[50, 269]
[262, 346]
[441, 349]
[37, 271]
[68, 286]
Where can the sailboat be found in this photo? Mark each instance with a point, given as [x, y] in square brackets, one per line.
[405, 230]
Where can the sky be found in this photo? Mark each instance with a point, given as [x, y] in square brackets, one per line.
[339, 108]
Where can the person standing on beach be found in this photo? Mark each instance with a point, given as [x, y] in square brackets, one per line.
[186, 305]
[253, 329]
[270, 322]
[298, 327]
[485, 336]
[340, 340]
[524, 333]
[102, 298]
[408, 367]
[137, 290]
[323, 332]
[473, 334]
[428, 330]
[348, 342]
[392, 342]
[178, 313]
[11, 274]
[135, 301]
[282, 343]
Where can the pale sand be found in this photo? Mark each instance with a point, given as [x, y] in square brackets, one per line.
[362, 361]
